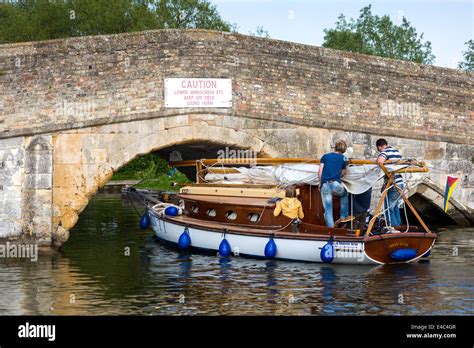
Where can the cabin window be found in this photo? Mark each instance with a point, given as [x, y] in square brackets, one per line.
[211, 212]
[253, 217]
[195, 209]
[231, 215]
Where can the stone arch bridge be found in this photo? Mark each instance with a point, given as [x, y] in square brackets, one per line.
[74, 110]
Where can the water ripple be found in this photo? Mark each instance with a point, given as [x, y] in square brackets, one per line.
[94, 275]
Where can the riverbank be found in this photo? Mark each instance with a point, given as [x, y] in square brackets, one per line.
[122, 182]
[148, 172]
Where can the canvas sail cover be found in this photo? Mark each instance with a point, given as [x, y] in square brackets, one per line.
[358, 178]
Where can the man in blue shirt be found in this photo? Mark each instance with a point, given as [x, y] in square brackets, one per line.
[331, 167]
[388, 153]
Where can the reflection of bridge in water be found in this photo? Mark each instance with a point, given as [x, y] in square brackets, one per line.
[288, 100]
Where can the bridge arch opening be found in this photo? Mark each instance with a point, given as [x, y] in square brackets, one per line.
[190, 150]
[432, 214]
[428, 200]
[85, 160]
[155, 168]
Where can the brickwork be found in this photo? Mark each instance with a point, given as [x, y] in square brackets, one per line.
[77, 82]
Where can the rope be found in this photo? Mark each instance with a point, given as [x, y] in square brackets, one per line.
[406, 217]
[385, 216]
[282, 228]
[352, 211]
[133, 205]
[386, 209]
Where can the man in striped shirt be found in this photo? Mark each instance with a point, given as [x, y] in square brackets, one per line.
[388, 153]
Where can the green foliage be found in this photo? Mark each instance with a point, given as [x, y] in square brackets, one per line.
[153, 172]
[30, 20]
[260, 32]
[142, 167]
[199, 14]
[468, 63]
[164, 182]
[92, 17]
[378, 36]
[33, 20]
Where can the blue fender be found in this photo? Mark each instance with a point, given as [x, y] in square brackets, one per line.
[171, 211]
[224, 248]
[144, 221]
[270, 249]
[427, 254]
[327, 252]
[404, 254]
[184, 241]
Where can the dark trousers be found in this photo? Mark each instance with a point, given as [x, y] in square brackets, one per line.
[359, 221]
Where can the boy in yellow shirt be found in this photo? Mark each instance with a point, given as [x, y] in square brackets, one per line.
[291, 207]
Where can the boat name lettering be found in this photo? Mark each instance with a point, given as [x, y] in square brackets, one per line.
[399, 244]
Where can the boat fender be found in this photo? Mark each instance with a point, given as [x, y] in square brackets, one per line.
[327, 252]
[224, 248]
[403, 254]
[270, 249]
[144, 221]
[184, 241]
[171, 210]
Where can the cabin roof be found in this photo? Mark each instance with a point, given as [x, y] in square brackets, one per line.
[219, 200]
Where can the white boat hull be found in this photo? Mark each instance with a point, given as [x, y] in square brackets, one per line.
[254, 246]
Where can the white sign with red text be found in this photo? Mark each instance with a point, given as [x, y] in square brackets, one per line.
[198, 93]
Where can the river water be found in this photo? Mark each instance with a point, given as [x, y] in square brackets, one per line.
[110, 266]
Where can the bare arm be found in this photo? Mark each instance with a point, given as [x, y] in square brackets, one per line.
[381, 159]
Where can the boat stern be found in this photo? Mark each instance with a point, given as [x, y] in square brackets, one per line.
[396, 248]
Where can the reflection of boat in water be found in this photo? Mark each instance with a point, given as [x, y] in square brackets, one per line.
[228, 213]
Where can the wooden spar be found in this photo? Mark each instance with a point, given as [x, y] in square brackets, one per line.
[407, 202]
[216, 170]
[223, 171]
[381, 200]
[198, 165]
[276, 161]
[382, 165]
[412, 170]
[379, 206]
[384, 194]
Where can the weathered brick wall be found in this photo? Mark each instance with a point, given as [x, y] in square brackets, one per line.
[73, 83]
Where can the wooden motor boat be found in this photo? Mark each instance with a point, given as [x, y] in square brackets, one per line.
[234, 219]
